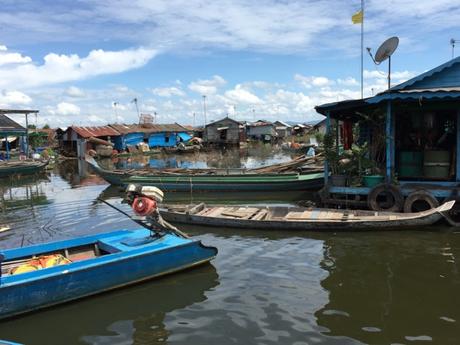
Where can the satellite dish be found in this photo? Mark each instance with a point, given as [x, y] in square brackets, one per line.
[386, 49]
[384, 52]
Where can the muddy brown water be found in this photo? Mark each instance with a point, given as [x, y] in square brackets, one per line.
[264, 287]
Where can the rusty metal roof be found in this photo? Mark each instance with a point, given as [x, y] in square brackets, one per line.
[125, 129]
[99, 131]
[159, 128]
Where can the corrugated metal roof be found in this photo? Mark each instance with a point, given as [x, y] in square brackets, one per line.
[99, 131]
[414, 95]
[424, 76]
[125, 129]
[174, 127]
[8, 125]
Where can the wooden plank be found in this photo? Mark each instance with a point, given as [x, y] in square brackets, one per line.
[260, 215]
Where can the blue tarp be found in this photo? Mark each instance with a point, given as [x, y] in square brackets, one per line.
[184, 136]
[162, 140]
[130, 139]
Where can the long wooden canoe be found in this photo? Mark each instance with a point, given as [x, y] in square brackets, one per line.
[212, 180]
[46, 274]
[21, 168]
[298, 218]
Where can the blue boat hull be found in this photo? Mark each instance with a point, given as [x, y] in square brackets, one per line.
[31, 291]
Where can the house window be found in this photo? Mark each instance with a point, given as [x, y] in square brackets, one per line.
[223, 134]
[166, 139]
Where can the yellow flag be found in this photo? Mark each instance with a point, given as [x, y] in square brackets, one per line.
[357, 18]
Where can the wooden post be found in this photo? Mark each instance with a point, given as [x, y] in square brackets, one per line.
[457, 153]
[390, 144]
[326, 164]
[27, 136]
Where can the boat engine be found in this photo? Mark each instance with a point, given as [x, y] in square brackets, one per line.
[143, 199]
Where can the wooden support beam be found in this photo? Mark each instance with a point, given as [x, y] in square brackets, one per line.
[390, 143]
[326, 164]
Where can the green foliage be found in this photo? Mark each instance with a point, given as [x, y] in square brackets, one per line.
[46, 126]
[330, 151]
[358, 161]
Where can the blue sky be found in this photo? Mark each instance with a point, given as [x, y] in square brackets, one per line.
[252, 59]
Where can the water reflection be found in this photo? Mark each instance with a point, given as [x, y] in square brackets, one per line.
[133, 315]
[392, 287]
[22, 192]
[253, 156]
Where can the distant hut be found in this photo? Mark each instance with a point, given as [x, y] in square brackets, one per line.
[282, 129]
[261, 130]
[77, 141]
[300, 129]
[12, 135]
[224, 132]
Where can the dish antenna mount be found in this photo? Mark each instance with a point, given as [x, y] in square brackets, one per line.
[384, 52]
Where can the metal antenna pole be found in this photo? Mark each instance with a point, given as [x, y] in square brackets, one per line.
[204, 109]
[389, 72]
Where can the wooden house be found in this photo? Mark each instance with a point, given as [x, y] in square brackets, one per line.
[12, 135]
[412, 132]
[77, 140]
[283, 129]
[224, 132]
[261, 130]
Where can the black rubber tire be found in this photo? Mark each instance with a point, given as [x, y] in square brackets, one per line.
[393, 190]
[420, 195]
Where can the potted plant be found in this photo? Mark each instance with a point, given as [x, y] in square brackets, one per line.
[361, 168]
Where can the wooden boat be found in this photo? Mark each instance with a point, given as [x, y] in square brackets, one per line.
[211, 179]
[299, 218]
[90, 265]
[21, 168]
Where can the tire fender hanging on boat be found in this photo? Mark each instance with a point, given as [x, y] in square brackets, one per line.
[419, 195]
[382, 189]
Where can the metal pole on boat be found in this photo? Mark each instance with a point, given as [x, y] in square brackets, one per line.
[27, 135]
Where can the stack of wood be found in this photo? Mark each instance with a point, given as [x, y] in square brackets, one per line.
[300, 163]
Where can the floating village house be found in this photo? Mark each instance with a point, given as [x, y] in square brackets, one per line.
[166, 135]
[411, 137]
[283, 129]
[130, 135]
[11, 133]
[77, 141]
[261, 130]
[225, 132]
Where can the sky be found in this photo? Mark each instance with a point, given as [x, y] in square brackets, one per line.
[83, 62]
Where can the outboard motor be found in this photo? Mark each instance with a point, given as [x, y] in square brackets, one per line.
[144, 202]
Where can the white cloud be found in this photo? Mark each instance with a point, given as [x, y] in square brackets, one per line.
[312, 81]
[12, 58]
[8, 98]
[167, 91]
[74, 92]
[241, 95]
[61, 68]
[207, 86]
[65, 108]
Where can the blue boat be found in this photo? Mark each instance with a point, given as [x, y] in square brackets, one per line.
[76, 268]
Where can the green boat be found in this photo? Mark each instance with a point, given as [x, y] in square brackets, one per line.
[207, 180]
[8, 169]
